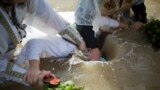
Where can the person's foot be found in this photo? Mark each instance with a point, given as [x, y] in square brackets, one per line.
[94, 55]
[137, 25]
[82, 46]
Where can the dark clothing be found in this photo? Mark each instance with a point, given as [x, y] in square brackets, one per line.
[88, 35]
[140, 12]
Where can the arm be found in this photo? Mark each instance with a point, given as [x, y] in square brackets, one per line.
[40, 9]
[43, 12]
[107, 23]
[31, 76]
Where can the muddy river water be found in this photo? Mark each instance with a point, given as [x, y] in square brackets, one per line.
[132, 65]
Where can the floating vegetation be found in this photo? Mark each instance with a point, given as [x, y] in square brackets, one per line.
[67, 85]
[152, 31]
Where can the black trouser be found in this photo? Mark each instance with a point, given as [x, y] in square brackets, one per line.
[140, 12]
[88, 35]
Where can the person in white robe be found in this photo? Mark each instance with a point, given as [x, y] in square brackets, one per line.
[40, 15]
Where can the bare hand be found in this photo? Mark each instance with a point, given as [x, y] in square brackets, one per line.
[42, 75]
[31, 76]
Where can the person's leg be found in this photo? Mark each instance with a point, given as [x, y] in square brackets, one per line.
[88, 35]
[91, 42]
[136, 11]
[37, 48]
[143, 13]
[140, 12]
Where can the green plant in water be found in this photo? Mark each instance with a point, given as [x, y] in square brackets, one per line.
[68, 85]
[152, 31]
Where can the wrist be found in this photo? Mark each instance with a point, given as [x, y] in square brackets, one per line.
[34, 64]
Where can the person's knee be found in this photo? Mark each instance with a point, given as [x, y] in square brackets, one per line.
[35, 42]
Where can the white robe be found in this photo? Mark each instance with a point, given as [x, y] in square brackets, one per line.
[86, 11]
[46, 47]
[37, 13]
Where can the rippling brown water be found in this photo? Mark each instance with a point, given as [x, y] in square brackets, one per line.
[133, 66]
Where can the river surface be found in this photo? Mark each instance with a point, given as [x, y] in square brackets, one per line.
[132, 65]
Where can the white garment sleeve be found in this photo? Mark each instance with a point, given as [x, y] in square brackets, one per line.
[4, 41]
[101, 21]
[40, 9]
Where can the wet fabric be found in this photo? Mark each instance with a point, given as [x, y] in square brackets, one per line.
[101, 22]
[32, 13]
[46, 47]
[86, 11]
[84, 15]
[88, 34]
[12, 72]
[140, 12]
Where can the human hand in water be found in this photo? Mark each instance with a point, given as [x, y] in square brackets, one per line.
[47, 77]
[31, 76]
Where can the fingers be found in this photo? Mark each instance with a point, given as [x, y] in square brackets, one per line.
[31, 76]
[25, 78]
[45, 74]
[49, 74]
[36, 78]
